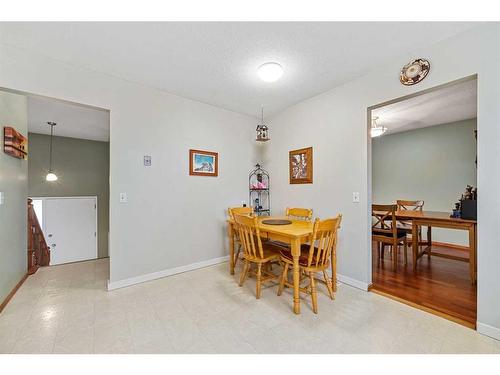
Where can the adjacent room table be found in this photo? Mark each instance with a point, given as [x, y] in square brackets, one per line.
[295, 234]
[440, 220]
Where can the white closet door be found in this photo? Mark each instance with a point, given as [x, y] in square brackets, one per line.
[70, 227]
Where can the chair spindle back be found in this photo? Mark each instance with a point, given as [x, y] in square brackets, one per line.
[324, 241]
[239, 211]
[249, 233]
[299, 213]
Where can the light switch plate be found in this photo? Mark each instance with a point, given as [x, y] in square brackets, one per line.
[1, 197]
[147, 160]
[355, 197]
[123, 197]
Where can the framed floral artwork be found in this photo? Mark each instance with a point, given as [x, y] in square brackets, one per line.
[203, 163]
[301, 166]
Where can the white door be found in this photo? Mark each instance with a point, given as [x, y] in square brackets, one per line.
[70, 228]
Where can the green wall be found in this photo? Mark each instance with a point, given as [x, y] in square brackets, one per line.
[13, 185]
[82, 168]
[433, 164]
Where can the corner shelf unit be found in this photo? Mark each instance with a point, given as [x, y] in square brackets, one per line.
[259, 196]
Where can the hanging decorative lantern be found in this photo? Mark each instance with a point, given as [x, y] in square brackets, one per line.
[262, 129]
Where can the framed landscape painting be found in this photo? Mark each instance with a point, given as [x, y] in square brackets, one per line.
[301, 166]
[203, 163]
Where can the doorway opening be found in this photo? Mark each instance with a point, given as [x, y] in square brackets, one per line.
[71, 141]
[424, 200]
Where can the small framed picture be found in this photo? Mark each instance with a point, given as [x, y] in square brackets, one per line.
[203, 163]
[301, 166]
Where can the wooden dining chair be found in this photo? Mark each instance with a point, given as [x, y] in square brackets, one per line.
[238, 211]
[255, 251]
[315, 258]
[406, 225]
[299, 213]
[386, 232]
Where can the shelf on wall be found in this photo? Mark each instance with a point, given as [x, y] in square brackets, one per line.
[259, 198]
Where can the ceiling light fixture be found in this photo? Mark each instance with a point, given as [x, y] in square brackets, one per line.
[376, 129]
[51, 176]
[270, 71]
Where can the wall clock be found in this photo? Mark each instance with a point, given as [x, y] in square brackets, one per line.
[415, 71]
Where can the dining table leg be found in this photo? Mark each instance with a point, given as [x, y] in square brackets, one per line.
[295, 249]
[414, 247]
[230, 234]
[429, 241]
[472, 253]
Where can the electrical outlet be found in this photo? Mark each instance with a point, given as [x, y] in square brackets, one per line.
[243, 203]
[355, 197]
[123, 197]
[147, 161]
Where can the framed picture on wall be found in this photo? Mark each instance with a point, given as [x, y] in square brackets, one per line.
[301, 166]
[203, 163]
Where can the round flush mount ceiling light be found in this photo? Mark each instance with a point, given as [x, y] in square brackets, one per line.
[270, 71]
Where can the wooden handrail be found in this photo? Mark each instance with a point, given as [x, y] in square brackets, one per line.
[38, 251]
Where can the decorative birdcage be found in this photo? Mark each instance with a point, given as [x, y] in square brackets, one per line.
[262, 129]
[259, 197]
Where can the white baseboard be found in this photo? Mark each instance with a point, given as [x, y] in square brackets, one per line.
[488, 330]
[194, 266]
[169, 272]
[352, 282]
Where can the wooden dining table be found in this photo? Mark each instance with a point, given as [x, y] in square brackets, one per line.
[440, 220]
[295, 234]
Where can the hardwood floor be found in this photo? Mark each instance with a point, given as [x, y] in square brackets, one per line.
[440, 284]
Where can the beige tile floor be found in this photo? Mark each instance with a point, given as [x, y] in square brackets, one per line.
[66, 309]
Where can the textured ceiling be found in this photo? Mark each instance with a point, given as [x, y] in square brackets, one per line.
[216, 62]
[449, 104]
[72, 120]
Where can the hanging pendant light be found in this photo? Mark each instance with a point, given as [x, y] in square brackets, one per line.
[376, 129]
[51, 176]
[262, 129]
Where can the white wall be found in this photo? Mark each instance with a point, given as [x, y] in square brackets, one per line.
[14, 186]
[335, 124]
[171, 219]
[432, 164]
[146, 237]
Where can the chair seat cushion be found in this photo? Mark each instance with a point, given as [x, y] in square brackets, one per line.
[304, 256]
[271, 251]
[401, 233]
[404, 226]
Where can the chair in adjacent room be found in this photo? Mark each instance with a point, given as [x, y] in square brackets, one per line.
[385, 232]
[255, 251]
[406, 225]
[315, 258]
